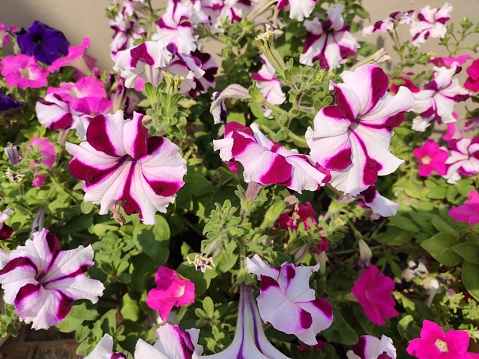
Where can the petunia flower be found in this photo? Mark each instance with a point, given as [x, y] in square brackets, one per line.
[403, 81]
[74, 58]
[119, 162]
[469, 212]
[5, 33]
[435, 344]
[249, 341]
[463, 159]
[472, 81]
[373, 291]
[267, 162]
[305, 214]
[449, 61]
[231, 10]
[47, 151]
[43, 42]
[436, 101]
[42, 281]
[172, 343]
[269, 85]
[380, 205]
[430, 23]
[397, 17]
[431, 158]
[126, 28]
[23, 71]
[210, 68]
[218, 107]
[329, 41]
[352, 138]
[5, 230]
[287, 302]
[298, 9]
[104, 350]
[369, 347]
[8, 103]
[171, 291]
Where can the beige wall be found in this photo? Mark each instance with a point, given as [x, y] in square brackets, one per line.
[85, 18]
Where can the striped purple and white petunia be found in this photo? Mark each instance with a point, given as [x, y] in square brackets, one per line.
[287, 302]
[298, 9]
[249, 341]
[352, 138]
[380, 205]
[104, 350]
[369, 347]
[463, 159]
[119, 162]
[267, 162]
[328, 41]
[218, 107]
[42, 281]
[5, 230]
[172, 343]
[431, 23]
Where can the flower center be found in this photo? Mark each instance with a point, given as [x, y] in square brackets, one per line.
[37, 39]
[441, 345]
[25, 73]
[426, 160]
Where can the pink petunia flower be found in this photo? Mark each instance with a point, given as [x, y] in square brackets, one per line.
[463, 159]
[5, 32]
[47, 150]
[119, 162]
[172, 343]
[298, 9]
[436, 101]
[369, 347]
[373, 291]
[435, 344]
[329, 41]
[23, 71]
[430, 23]
[450, 61]
[305, 214]
[5, 230]
[469, 212]
[171, 291]
[287, 302]
[403, 81]
[431, 158]
[352, 138]
[267, 162]
[42, 281]
[74, 58]
[472, 81]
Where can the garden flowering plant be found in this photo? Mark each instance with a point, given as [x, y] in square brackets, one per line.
[290, 193]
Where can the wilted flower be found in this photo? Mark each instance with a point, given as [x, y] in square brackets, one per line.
[267, 162]
[305, 213]
[171, 291]
[329, 41]
[287, 302]
[373, 291]
[42, 281]
[430, 23]
[119, 162]
[352, 138]
[43, 42]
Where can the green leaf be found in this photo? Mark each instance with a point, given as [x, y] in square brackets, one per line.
[440, 247]
[469, 251]
[435, 191]
[130, 308]
[404, 223]
[209, 307]
[340, 331]
[442, 226]
[470, 278]
[154, 240]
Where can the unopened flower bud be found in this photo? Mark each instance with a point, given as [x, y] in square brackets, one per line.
[14, 153]
[37, 224]
[365, 254]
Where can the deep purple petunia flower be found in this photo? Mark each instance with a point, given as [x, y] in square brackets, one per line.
[7, 102]
[43, 42]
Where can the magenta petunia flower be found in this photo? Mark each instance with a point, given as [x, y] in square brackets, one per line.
[42, 281]
[267, 162]
[23, 71]
[472, 81]
[43, 42]
[172, 343]
[435, 344]
[431, 158]
[469, 212]
[352, 138]
[47, 150]
[73, 58]
[5, 230]
[298, 9]
[5, 33]
[329, 41]
[449, 61]
[369, 347]
[119, 162]
[463, 159]
[171, 291]
[373, 291]
[287, 302]
[430, 23]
